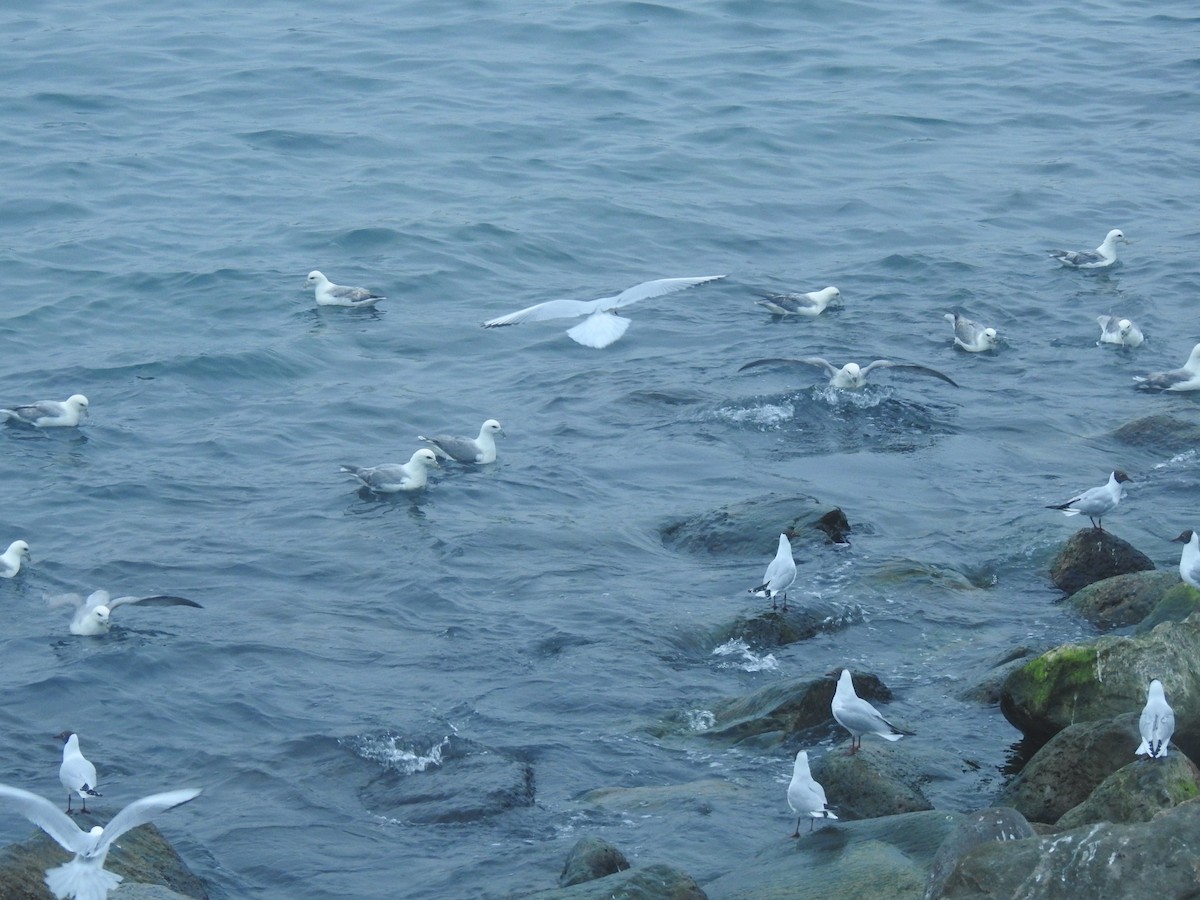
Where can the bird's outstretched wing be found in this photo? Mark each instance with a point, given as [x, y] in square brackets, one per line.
[46, 816]
[551, 309]
[154, 600]
[656, 288]
[816, 361]
[139, 812]
[910, 367]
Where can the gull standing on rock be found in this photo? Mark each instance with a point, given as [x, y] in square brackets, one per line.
[50, 413]
[858, 716]
[972, 336]
[602, 326]
[781, 572]
[10, 559]
[1119, 331]
[811, 304]
[392, 477]
[1097, 502]
[1102, 256]
[479, 450]
[76, 773]
[1186, 378]
[92, 616]
[1157, 723]
[804, 796]
[84, 877]
[1189, 560]
[850, 376]
[330, 294]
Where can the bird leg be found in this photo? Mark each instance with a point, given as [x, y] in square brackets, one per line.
[796, 833]
[68, 804]
[785, 609]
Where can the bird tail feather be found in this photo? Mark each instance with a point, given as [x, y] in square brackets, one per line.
[81, 880]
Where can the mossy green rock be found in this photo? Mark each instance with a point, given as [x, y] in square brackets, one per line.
[1174, 606]
[1101, 680]
[1091, 555]
[1125, 599]
[1137, 792]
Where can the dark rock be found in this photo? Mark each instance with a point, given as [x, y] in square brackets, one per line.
[1091, 555]
[1124, 599]
[1149, 859]
[141, 855]
[1101, 680]
[996, 824]
[589, 859]
[654, 882]
[874, 782]
[1161, 433]
[876, 858]
[1174, 606]
[1137, 792]
[987, 689]
[752, 528]
[778, 628]
[132, 890]
[1064, 772]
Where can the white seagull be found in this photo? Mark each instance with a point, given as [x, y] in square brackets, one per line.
[850, 376]
[972, 336]
[50, 413]
[781, 572]
[805, 797]
[76, 773]
[1097, 502]
[858, 716]
[1189, 560]
[330, 294]
[92, 615]
[84, 877]
[1119, 331]
[10, 559]
[1104, 255]
[810, 304]
[1157, 723]
[602, 326]
[392, 477]
[480, 449]
[1186, 378]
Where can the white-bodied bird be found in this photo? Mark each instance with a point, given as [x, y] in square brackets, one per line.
[1119, 331]
[76, 773]
[1157, 723]
[330, 294]
[389, 478]
[850, 376]
[10, 559]
[1104, 255]
[479, 450]
[84, 877]
[858, 716]
[1185, 378]
[781, 572]
[1097, 502]
[1189, 560]
[93, 613]
[49, 413]
[970, 335]
[810, 304]
[602, 326]
[805, 797]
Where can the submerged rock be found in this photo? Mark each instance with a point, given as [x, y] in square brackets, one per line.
[752, 528]
[1091, 555]
[995, 824]
[1161, 433]
[653, 882]
[1124, 599]
[778, 628]
[1137, 792]
[589, 859]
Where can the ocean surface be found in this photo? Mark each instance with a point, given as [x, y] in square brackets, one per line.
[170, 178]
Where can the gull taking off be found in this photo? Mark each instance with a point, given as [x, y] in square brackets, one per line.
[330, 294]
[858, 716]
[1104, 255]
[1097, 502]
[781, 572]
[392, 477]
[1119, 331]
[850, 376]
[92, 616]
[972, 336]
[805, 796]
[77, 775]
[480, 450]
[1186, 378]
[10, 559]
[84, 877]
[1157, 723]
[811, 304]
[1189, 560]
[50, 413]
[602, 326]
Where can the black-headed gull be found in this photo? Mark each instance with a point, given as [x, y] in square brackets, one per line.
[805, 797]
[850, 376]
[1157, 723]
[1097, 502]
[330, 294]
[601, 327]
[781, 572]
[970, 335]
[1104, 255]
[389, 478]
[858, 716]
[76, 773]
[1185, 378]
[10, 559]
[1189, 559]
[810, 304]
[84, 877]
[480, 449]
[1119, 331]
[49, 413]
[93, 613]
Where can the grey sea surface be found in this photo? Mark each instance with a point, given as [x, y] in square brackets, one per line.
[170, 177]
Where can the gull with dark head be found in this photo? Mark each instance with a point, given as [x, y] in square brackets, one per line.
[481, 449]
[1185, 378]
[1119, 331]
[76, 773]
[858, 716]
[850, 376]
[330, 294]
[1157, 723]
[10, 559]
[781, 572]
[1097, 502]
[970, 335]
[93, 614]
[390, 478]
[1102, 256]
[602, 326]
[805, 796]
[49, 413]
[811, 304]
[84, 877]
